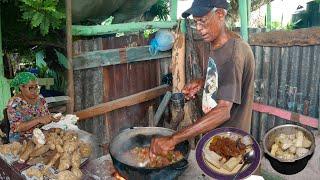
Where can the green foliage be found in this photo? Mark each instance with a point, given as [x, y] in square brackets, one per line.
[148, 32]
[317, 1]
[43, 14]
[62, 59]
[160, 10]
[275, 25]
[43, 69]
[60, 82]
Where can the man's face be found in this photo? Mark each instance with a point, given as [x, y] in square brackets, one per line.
[30, 90]
[209, 26]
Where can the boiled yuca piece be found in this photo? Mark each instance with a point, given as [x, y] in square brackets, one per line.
[285, 143]
[306, 143]
[301, 151]
[274, 149]
[232, 163]
[213, 158]
[299, 137]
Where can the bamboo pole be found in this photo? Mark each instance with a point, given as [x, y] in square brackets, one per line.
[70, 105]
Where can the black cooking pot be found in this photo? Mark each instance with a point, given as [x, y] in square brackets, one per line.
[291, 166]
[141, 137]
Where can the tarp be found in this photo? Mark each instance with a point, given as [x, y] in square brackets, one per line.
[98, 10]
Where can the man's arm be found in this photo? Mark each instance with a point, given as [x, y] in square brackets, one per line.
[213, 119]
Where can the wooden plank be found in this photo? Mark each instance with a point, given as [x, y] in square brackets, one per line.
[151, 117]
[70, 91]
[162, 107]
[123, 102]
[78, 30]
[112, 57]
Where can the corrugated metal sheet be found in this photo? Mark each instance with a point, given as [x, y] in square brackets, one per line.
[96, 85]
[288, 78]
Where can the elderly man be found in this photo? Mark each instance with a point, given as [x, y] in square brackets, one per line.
[228, 85]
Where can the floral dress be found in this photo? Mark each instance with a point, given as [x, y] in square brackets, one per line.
[20, 110]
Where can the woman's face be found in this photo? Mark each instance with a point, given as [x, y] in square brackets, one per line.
[30, 90]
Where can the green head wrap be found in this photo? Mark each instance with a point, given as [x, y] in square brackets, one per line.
[22, 78]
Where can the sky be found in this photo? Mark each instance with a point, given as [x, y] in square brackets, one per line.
[279, 8]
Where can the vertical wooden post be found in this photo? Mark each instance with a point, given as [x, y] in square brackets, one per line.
[178, 61]
[243, 19]
[70, 106]
[268, 17]
[173, 10]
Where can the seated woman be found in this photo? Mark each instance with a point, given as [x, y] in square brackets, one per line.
[27, 109]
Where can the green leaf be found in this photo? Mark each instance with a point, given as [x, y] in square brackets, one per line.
[37, 20]
[62, 59]
[44, 26]
[39, 59]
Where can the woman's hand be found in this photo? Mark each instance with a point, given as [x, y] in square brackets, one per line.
[46, 119]
[190, 90]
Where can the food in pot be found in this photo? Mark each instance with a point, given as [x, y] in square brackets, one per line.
[140, 156]
[226, 151]
[290, 146]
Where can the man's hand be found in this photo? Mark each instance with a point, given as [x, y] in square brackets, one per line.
[190, 90]
[161, 146]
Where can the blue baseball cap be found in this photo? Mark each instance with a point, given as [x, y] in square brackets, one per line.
[202, 7]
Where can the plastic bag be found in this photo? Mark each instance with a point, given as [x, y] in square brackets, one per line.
[163, 41]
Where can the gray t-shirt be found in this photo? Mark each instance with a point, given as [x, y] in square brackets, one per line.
[232, 65]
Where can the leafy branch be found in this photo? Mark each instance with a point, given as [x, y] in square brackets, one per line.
[43, 14]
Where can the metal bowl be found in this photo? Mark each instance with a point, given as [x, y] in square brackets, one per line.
[284, 166]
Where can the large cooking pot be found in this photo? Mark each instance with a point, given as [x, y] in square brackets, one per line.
[141, 137]
[287, 166]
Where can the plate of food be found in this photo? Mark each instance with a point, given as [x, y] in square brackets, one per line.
[220, 153]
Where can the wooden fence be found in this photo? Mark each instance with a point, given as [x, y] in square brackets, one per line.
[125, 68]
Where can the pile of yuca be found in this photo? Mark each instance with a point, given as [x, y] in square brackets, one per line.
[58, 149]
[290, 146]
